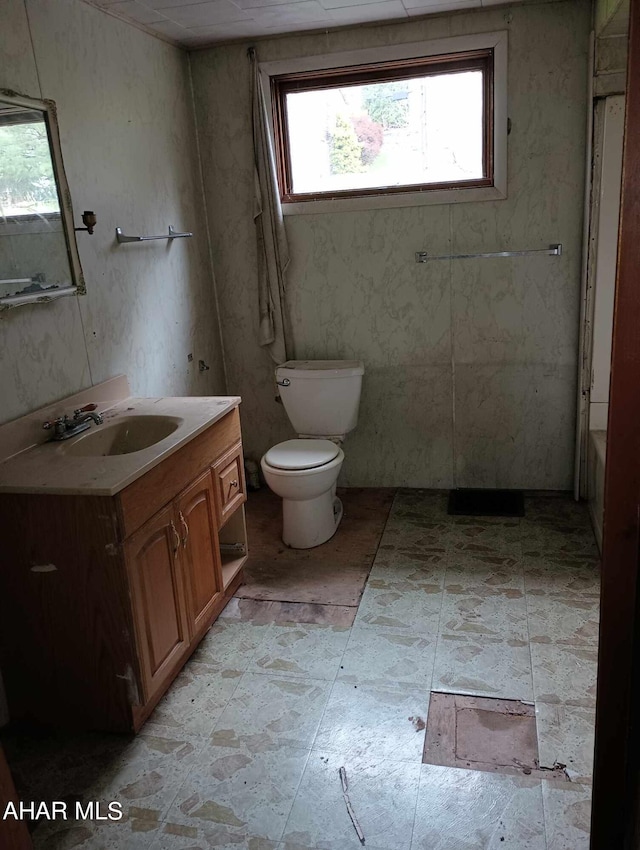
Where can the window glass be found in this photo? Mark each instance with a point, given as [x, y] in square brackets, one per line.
[411, 132]
[27, 181]
[401, 126]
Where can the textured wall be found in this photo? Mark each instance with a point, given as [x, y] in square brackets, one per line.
[470, 365]
[129, 145]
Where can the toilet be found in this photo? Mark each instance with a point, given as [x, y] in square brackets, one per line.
[321, 399]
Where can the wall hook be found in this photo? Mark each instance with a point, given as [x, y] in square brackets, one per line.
[202, 366]
[89, 220]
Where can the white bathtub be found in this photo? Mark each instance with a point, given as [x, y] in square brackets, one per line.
[596, 463]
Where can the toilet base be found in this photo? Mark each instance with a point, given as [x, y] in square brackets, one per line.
[311, 522]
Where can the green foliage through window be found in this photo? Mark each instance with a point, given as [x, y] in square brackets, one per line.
[27, 182]
[345, 152]
[387, 104]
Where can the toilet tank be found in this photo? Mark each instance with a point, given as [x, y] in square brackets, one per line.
[321, 397]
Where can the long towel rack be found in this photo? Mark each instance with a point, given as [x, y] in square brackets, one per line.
[551, 251]
[14, 280]
[173, 234]
[37, 278]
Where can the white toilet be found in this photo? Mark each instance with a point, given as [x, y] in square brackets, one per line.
[321, 398]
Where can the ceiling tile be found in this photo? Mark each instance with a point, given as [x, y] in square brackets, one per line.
[309, 11]
[248, 5]
[224, 32]
[170, 29]
[385, 10]
[339, 4]
[426, 7]
[171, 4]
[136, 11]
[205, 14]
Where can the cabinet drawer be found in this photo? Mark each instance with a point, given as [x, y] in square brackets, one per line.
[228, 483]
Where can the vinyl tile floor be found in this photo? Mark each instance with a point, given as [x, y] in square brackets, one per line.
[245, 749]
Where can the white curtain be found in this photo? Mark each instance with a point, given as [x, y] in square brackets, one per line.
[273, 250]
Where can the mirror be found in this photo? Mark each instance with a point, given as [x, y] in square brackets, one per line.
[39, 258]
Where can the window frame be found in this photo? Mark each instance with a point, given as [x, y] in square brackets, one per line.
[438, 55]
[380, 72]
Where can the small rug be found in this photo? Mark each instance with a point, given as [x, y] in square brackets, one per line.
[470, 502]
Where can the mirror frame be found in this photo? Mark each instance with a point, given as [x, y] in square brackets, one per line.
[78, 287]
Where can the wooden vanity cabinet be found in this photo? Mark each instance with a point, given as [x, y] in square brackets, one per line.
[102, 599]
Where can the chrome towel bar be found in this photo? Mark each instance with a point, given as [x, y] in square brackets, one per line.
[173, 234]
[551, 251]
[37, 278]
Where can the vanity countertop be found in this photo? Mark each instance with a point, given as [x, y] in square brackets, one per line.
[46, 468]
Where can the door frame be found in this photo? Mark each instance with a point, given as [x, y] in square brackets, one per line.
[616, 778]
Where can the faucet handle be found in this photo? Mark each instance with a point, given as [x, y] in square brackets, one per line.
[88, 408]
[59, 425]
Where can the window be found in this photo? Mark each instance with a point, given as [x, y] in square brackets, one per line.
[401, 126]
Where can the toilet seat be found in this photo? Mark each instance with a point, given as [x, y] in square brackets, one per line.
[301, 454]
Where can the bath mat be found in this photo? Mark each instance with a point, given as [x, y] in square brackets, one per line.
[469, 502]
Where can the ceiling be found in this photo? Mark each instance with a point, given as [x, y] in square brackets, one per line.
[195, 24]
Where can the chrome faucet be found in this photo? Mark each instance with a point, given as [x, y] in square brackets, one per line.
[64, 428]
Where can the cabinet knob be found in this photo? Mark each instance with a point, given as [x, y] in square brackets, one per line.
[234, 483]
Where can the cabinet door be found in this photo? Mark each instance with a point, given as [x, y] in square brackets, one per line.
[159, 610]
[195, 510]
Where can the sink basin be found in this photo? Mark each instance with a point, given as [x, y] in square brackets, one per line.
[126, 435]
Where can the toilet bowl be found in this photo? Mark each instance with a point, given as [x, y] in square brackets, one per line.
[304, 473]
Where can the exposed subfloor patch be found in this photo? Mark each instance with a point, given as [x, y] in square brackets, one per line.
[481, 733]
[257, 611]
[332, 574]
[470, 502]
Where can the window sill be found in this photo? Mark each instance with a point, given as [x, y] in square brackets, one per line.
[395, 200]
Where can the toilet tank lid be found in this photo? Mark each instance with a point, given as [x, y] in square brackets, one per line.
[311, 369]
[301, 454]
